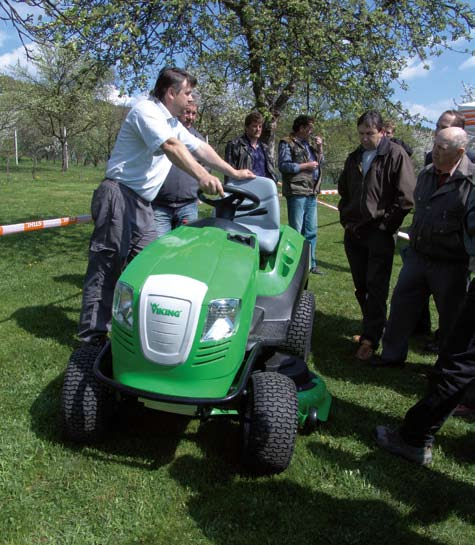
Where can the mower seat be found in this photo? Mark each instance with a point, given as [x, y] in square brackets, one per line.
[267, 225]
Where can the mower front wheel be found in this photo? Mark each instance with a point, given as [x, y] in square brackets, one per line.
[269, 422]
[86, 404]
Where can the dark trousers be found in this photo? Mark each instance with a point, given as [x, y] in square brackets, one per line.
[419, 277]
[455, 375]
[123, 226]
[370, 256]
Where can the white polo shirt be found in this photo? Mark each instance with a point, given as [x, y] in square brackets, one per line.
[137, 159]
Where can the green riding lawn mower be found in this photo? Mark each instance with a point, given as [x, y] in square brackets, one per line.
[211, 320]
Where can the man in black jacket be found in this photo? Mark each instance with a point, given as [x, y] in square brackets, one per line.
[249, 150]
[376, 189]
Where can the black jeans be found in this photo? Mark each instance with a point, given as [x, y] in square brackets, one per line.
[370, 254]
[455, 374]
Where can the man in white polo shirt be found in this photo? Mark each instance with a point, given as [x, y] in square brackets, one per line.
[150, 140]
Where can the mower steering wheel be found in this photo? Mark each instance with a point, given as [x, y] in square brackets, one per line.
[227, 206]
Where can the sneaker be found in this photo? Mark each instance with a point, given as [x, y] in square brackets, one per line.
[365, 351]
[378, 361]
[316, 270]
[391, 440]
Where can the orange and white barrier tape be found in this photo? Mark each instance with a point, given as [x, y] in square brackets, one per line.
[42, 224]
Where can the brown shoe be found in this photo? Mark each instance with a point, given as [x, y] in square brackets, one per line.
[365, 351]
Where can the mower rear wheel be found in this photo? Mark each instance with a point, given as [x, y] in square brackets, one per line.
[86, 404]
[269, 423]
[299, 337]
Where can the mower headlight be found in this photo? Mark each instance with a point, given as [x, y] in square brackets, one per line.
[122, 309]
[222, 319]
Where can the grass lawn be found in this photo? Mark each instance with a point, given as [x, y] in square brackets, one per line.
[163, 479]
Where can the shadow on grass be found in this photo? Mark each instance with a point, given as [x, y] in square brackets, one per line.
[48, 322]
[434, 497]
[284, 512]
[138, 437]
[333, 353]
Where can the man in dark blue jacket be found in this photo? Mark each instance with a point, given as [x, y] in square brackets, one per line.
[176, 203]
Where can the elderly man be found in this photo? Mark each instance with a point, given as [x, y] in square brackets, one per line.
[376, 188]
[150, 140]
[449, 118]
[248, 151]
[436, 262]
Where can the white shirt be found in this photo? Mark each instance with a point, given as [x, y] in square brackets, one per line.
[137, 159]
[368, 157]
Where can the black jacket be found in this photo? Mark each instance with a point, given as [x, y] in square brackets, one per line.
[237, 154]
[437, 226]
[383, 197]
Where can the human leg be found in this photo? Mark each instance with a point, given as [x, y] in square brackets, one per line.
[295, 211]
[380, 246]
[185, 214]
[357, 255]
[309, 227]
[409, 294]
[123, 226]
[162, 217]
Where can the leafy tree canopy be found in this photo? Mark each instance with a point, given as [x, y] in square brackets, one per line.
[346, 52]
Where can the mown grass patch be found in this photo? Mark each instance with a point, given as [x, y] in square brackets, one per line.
[163, 479]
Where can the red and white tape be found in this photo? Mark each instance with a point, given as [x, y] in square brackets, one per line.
[63, 222]
[42, 224]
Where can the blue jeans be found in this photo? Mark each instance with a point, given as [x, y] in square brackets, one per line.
[302, 215]
[167, 218]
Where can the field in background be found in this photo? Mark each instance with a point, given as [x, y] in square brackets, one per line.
[161, 479]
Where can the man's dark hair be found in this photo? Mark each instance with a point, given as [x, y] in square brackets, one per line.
[458, 118]
[371, 118]
[302, 121]
[171, 77]
[253, 117]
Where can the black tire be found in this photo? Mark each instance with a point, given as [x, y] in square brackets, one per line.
[86, 404]
[269, 423]
[299, 337]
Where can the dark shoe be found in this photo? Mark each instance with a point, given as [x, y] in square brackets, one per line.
[316, 270]
[365, 350]
[377, 361]
[391, 440]
[464, 411]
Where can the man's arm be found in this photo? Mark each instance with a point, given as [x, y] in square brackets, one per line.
[405, 183]
[207, 154]
[179, 155]
[287, 165]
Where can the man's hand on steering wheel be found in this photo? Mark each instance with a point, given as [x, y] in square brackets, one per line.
[211, 184]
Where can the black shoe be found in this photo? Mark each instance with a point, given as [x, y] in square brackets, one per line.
[316, 270]
[377, 361]
[392, 441]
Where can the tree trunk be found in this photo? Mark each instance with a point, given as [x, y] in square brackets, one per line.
[64, 151]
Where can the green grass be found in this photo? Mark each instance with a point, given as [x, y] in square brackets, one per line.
[161, 479]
